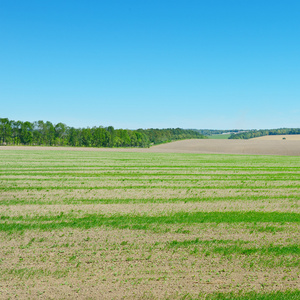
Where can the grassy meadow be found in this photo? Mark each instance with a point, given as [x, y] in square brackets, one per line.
[219, 136]
[120, 225]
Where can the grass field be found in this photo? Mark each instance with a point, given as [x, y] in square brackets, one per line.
[219, 136]
[118, 225]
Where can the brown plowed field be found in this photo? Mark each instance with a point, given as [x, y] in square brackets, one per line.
[253, 146]
[260, 146]
[291, 137]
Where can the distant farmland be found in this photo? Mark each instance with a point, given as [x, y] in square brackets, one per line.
[107, 225]
[290, 137]
[219, 136]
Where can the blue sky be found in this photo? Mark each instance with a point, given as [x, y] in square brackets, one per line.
[139, 64]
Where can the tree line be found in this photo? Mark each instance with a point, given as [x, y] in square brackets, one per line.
[262, 132]
[209, 132]
[48, 134]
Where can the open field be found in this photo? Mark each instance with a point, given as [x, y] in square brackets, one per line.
[210, 146]
[219, 136]
[251, 146]
[290, 137]
[140, 225]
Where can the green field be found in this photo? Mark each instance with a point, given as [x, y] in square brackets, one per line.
[107, 225]
[219, 136]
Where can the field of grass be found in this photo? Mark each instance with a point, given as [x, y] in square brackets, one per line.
[219, 136]
[112, 225]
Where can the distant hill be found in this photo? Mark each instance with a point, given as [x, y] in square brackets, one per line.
[245, 134]
[263, 132]
[209, 132]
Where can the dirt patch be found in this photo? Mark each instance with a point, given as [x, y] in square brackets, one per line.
[260, 147]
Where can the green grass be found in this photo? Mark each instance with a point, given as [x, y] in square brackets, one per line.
[219, 136]
[141, 221]
[228, 247]
[288, 295]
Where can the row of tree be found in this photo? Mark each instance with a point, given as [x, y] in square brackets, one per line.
[257, 133]
[48, 134]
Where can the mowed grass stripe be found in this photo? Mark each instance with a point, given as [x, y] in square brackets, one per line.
[227, 247]
[279, 295]
[16, 223]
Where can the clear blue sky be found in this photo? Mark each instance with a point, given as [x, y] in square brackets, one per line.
[151, 63]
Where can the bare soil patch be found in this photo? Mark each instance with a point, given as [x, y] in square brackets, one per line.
[151, 209]
[125, 264]
[258, 147]
[79, 196]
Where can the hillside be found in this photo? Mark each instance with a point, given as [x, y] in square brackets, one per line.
[253, 146]
[264, 132]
